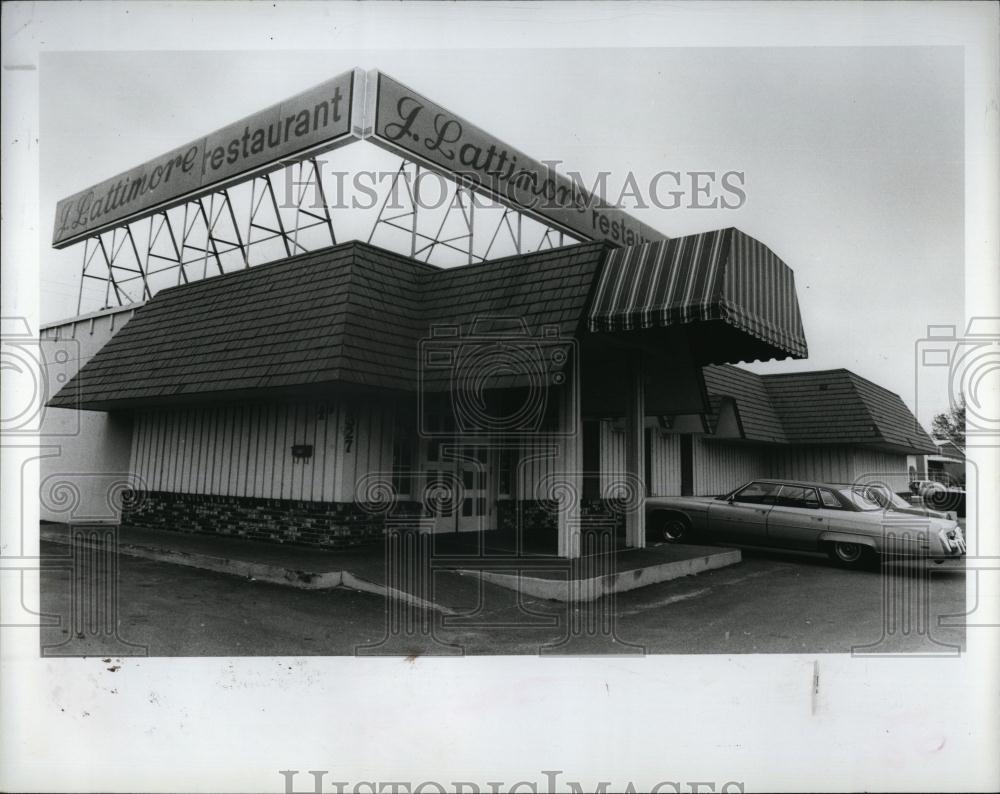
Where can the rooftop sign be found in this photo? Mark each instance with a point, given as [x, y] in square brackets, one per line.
[347, 108]
[406, 122]
[316, 120]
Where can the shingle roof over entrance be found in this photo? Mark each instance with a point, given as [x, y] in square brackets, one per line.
[757, 416]
[826, 407]
[528, 303]
[350, 314]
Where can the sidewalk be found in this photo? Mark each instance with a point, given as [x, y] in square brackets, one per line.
[461, 574]
[359, 568]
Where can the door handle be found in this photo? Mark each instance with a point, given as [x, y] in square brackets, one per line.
[816, 518]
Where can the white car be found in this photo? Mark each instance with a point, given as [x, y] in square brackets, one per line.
[846, 521]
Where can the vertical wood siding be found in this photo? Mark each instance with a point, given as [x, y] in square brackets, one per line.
[840, 464]
[871, 465]
[612, 458]
[246, 450]
[720, 467]
[831, 464]
[664, 464]
[539, 459]
[548, 460]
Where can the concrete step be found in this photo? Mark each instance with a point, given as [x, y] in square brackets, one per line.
[578, 585]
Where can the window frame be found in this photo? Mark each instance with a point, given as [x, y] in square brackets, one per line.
[759, 483]
[838, 505]
[805, 505]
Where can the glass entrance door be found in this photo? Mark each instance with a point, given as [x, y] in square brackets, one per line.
[476, 510]
[458, 492]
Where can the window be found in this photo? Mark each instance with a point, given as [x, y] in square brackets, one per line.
[860, 499]
[758, 493]
[797, 496]
[880, 494]
[505, 479]
[829, 499]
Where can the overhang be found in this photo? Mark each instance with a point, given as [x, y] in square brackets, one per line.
[349, 317]
[733, 286]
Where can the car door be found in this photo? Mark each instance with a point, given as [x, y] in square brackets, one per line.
[743, 518]
[796, 520]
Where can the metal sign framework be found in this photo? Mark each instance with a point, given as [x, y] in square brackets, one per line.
[510, 228]
[245, 224]
[199, 238]
[211, 206]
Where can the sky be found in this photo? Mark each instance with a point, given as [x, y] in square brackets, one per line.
[852, 156]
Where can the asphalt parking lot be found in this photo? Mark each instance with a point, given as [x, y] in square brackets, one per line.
[772, 602]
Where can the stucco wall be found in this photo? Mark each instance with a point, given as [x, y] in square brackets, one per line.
[84, 468]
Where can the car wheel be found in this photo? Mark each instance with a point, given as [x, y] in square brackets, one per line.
[672, 528]
[850, 555]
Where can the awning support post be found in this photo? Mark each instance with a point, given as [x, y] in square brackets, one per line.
[572, 458]
[635, 452]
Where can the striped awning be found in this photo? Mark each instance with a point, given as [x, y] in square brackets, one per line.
[719, 277]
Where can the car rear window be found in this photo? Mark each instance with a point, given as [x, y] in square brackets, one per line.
[860, 500]
[797, 496]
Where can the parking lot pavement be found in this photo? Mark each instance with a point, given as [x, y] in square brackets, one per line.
[777, 602]
[773, 602]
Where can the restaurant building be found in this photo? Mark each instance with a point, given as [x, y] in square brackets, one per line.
[322, 397]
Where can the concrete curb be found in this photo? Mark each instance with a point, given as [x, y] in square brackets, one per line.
[261, 572]
[577, 590]
[350, 580]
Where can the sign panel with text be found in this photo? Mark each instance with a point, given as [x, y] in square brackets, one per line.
[350, 107]
[316, 120]
[407, 123]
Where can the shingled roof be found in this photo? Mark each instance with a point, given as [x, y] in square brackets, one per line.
[757, 415]
[824, 407]
[350, 314]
